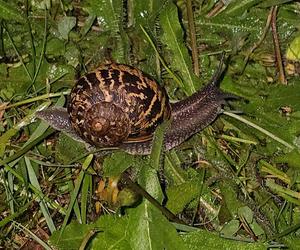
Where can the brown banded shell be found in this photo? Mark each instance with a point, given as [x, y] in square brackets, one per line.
[117, 104]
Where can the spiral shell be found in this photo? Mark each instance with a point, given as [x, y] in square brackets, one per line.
[117, 104]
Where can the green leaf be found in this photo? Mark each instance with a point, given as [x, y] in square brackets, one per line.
[71, 238]
[206, 240]
[173, 38]
[113, 233]
[257, 229]
[66, 25]
[145, 12]
[231, 228]
[229, 193]
[13, 131]
[72, 55]
[157, 145]
[269, 3]
[180, 195]
[149, 229]
[75, 191]
[267, 113]
[34, 181]
[10, 12]
[292, 158]
[236, 7]
[109, 12]
[246, 213]
[110, 17]
[117, 163]
[293, 51]
[67, 149]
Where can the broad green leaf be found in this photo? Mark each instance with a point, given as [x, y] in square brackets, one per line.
[113, 233]
[9, 12]
[173, 39]
[267, 110]
[72, 55]
[71, 238]
[148, 228]
[229, 193]
[206, 240]
[55, 47]
[212, 28]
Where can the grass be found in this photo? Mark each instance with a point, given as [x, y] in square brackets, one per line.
[234, 185]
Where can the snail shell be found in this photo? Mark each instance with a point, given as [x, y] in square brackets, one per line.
[117, 104]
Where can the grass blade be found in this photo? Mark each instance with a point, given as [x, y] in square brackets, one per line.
[34, 181]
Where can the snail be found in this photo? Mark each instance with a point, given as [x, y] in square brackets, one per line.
[117, 105]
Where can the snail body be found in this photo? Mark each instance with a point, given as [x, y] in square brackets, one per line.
[120, 106]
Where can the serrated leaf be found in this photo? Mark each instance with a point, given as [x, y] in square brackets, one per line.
[267, 111]
[108, 12]
[109, 16]
[145, 11]
[10, 12]
[173, 38]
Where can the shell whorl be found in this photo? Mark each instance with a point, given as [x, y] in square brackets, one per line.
[117, 103]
